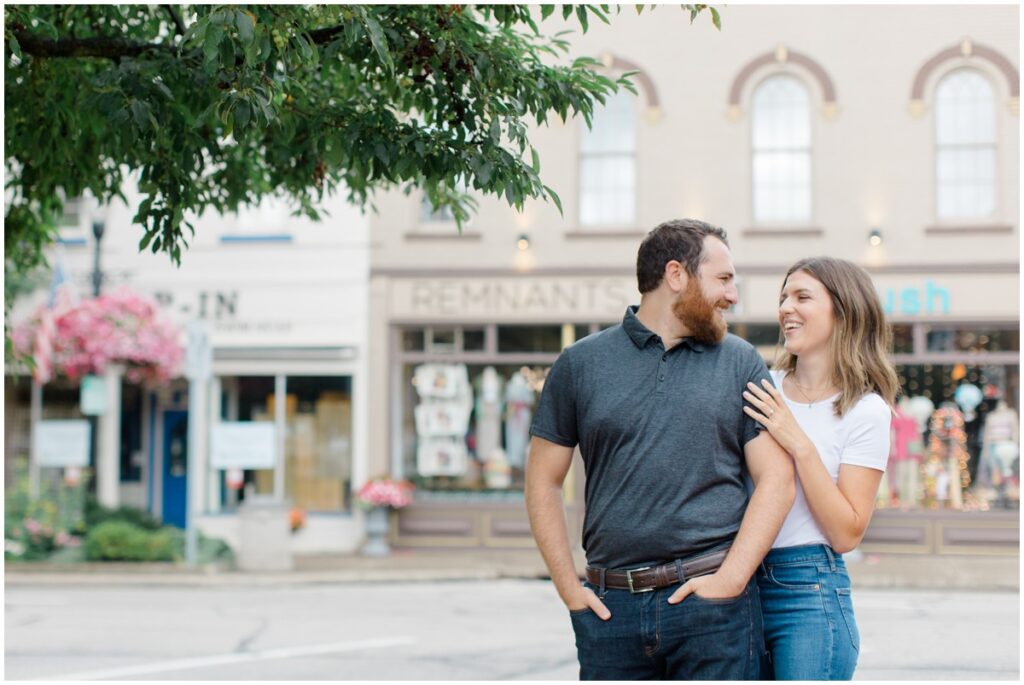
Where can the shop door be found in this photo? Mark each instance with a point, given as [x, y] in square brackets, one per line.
[175, 465]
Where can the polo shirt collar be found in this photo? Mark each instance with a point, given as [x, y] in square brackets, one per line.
[641, 335]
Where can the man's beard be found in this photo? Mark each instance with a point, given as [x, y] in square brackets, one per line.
[700, 315]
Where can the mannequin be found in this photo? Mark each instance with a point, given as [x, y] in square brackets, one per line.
[518, 412]
[488, 414]
[1001, 448]
[905, 456]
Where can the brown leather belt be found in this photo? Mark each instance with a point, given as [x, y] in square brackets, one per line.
[648, 579]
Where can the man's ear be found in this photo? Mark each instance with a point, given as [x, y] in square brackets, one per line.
[675, 276]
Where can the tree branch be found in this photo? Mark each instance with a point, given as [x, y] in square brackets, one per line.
[175, 18]
[112, 48]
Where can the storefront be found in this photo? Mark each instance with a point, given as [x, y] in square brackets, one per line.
[286, 322]
[468, 356]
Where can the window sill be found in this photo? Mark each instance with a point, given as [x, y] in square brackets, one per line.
[783, 232]
[610, 232]
[443, 235]
[253, 239]
[968, 229]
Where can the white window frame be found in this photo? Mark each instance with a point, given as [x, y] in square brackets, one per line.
[627, 155]
[804, 151]
[992, 146]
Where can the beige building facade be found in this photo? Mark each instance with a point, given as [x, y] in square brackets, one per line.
[884, 135]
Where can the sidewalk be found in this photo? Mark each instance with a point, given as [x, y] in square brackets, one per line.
[868, 571]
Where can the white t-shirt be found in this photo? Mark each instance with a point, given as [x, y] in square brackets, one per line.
[860, 438]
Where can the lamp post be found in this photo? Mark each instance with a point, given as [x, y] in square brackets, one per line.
[98, 228]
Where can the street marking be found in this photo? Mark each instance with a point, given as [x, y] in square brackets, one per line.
[234, 658]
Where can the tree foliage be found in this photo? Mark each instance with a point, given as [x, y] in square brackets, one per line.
[218, 106]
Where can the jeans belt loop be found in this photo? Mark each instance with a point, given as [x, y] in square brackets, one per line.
[680, 576]
[831, 558]
[602, 591]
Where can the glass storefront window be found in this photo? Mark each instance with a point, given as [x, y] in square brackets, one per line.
[948, 339]
[530, 339]
[902, 338]
[924, 470]
[413, 340]
[473, 339]
[475, 437]
[318, 442]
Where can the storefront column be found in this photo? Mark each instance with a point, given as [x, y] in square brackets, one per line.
[108, 457]
[199, 433]
[213, 480]
[281, 422]
[35, 416]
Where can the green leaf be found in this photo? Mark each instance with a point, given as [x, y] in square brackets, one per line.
[15, 47]
[581, 14]
[554, 198]
[566, 11]
[715, 19]
[536, 159]
[245, 26]
[495, 131]
[379, 41]
[241, 115]
[546, 11]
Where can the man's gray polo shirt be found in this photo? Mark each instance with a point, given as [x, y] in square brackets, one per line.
[662, 436]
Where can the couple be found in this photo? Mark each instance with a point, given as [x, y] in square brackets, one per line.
[719, 497]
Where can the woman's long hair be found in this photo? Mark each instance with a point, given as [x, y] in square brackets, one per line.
[862, 338]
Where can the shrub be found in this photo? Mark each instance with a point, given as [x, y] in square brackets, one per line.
[125, 541]
[96, 513]
[34, 528]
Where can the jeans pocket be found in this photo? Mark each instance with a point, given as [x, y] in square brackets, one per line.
[580, 612]
[795, 576]
[721, 600]
[846, 609]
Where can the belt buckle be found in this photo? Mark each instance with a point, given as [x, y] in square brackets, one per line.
[629, 581]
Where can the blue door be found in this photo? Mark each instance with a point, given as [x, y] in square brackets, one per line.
[175, 465]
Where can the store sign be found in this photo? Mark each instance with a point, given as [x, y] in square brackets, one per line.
[93, 396]
[62, 443]
[547, 297]
[243, 445]
[929, 298]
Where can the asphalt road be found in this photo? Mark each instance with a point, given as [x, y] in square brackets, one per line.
[458, 630]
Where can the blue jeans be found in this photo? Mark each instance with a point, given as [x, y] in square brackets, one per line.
[809, 627]
[649, 639]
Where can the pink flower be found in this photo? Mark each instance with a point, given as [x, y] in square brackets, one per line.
[384, 492]
[118, 327]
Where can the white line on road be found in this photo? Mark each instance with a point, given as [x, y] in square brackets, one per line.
[234, 658]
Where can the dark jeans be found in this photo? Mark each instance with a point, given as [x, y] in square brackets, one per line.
[649, 639]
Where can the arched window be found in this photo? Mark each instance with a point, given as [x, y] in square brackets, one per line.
[965, 140]
[608, 163]
[782, 151]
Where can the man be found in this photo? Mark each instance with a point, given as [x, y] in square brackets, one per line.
[655, 405]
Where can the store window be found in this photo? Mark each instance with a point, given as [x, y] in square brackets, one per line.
[782, 151]
[608, 163]
[965, 137]
[317, 443]
[466, 411]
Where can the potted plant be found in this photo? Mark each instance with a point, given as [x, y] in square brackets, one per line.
[378, 496]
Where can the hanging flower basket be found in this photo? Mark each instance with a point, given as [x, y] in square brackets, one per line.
[121, 327]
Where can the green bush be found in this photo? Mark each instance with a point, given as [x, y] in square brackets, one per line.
[36, 527]
[125, 541]
[96, 513]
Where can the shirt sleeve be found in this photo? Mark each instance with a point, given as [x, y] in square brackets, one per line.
[757, 372]
[555, 418]
[867, 443]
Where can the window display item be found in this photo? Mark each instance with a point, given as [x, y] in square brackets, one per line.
[519, 400]
[905, 458]
[488, 414]
[441, 381]
[441, 457]
[434, 419]
[946, 475]
[497, 472]
[998, 473]
[921, 409]
[968, 396]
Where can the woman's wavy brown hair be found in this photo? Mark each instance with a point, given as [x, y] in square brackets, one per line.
[862, 339]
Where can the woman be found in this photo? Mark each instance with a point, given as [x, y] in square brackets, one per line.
[830, 409]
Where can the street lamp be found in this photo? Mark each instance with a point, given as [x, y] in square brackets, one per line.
[98, 227]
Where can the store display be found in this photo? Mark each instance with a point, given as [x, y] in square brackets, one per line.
[999, 470]
[488, 413]
[945, 470]
[906, 455]
[442, 419]
[497, 472]
[519, 400]
[968, 396]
